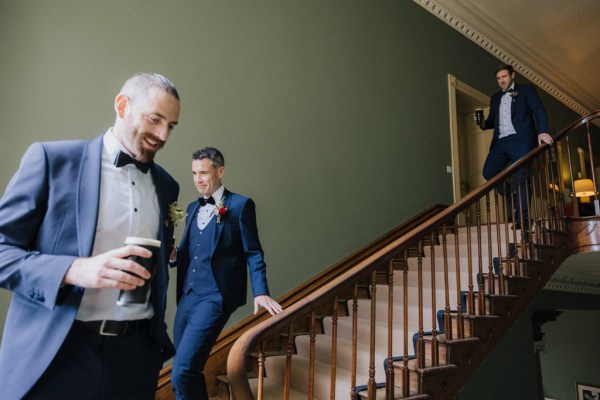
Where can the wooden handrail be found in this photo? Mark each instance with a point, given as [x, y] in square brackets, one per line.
[217, 362]
[363, 268]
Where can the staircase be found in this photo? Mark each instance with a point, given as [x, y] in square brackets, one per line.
[443, 346]
[413, 314]
[416, 317]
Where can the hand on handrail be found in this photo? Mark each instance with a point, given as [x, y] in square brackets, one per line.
[544, 138]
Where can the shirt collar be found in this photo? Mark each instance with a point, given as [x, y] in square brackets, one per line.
[511, 88]
[218, 194]
[112, 145]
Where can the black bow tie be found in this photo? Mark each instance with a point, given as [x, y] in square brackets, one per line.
[204, 201]
[509, 90]
[124, 159]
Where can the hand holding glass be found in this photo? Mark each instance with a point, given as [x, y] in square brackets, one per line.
[139, 295]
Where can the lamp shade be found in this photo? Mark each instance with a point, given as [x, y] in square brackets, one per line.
[584, 188]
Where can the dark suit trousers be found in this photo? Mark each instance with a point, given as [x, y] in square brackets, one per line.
[90, 366]
[504, 152]
[198, 322]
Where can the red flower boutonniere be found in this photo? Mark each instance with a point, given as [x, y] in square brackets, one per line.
[221, 210]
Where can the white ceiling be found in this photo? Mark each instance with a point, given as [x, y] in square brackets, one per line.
[554, 43]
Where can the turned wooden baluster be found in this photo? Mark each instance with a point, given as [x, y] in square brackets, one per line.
[405, 370]
[513, 233]
[420, 332]
[553, 222]
[561, 185]
[480, 286]
[289, 351]
[434, 341]
[447, 319]
[261, 373]
[499, 243]
[491, 286]
[334, 327]
[506, 228]
[459, 316]
[574, 200]
[470, 306]
[550, 194]
[354, 341]
[538, 217]
[389, 373]
[372, 385]
[542, 190]
[519, 197]
[524, 224]
[311, 368]
[592, 169]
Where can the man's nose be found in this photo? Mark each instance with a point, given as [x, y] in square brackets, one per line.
[163, 133]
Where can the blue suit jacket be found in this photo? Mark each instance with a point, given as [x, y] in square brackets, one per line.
[524, 106]
[48, 218]
[235, 248]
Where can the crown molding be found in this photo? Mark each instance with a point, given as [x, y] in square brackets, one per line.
[488, 35]
[567, 283]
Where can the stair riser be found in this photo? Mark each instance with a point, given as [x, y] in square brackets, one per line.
[343, 355]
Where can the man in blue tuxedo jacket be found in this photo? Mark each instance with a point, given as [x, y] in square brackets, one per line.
[219, 244]
[63, 221]
[512, 113]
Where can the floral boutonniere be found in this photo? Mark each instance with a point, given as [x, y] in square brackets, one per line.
[514, 95]
[174, 215]
[221, 210]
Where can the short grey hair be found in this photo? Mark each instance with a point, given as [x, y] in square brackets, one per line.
[141, 82]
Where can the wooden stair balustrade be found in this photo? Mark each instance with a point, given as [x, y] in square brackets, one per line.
[440, 298]
[413, 314]
[358, 344]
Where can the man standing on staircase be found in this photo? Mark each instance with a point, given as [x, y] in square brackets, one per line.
[219, 242]
[512, 113]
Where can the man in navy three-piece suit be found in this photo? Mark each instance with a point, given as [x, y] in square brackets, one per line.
[63, 221]
[516, 133]
[219, 245]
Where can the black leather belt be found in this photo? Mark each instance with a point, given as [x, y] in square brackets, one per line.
[115, 328]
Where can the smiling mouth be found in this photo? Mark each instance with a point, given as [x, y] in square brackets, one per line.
[153, 144]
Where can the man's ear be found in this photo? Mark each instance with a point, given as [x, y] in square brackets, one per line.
[121, 104]
[221, 172]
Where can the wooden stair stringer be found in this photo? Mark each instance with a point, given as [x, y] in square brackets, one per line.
[443, 383]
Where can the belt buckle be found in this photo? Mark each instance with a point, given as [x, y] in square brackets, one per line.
[103, 332]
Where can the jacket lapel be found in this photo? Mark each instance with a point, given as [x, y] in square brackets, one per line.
[513, 102]
[183, 243]
[88, 196]
[163, 204]
[219, 227]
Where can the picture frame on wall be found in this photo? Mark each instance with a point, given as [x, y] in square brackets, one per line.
[587, 392]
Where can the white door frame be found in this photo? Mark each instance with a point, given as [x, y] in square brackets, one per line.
[454, 86]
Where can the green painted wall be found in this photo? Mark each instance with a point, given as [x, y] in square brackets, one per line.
[332, 115]
[571, 353]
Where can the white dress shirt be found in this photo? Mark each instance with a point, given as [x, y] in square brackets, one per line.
[128, 207]
[505, 115]
[206, 212]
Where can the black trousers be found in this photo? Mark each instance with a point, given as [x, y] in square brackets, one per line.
[90, 366]
[504, 152]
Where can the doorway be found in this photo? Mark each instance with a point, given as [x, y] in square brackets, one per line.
[469, 144]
